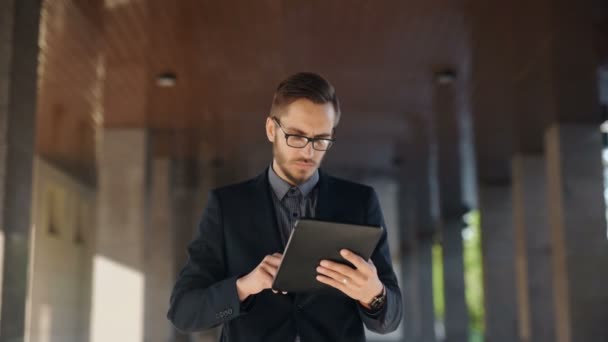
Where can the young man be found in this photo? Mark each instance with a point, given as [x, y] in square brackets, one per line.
[235, 257]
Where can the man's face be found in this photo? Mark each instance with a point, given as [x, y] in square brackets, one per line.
[302, 117]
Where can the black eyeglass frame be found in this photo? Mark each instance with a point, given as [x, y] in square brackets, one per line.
[330, 141]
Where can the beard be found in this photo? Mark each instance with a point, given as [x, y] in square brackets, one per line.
[294, 176]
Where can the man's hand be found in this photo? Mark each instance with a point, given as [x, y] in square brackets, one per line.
[260, 278]
[361, 283]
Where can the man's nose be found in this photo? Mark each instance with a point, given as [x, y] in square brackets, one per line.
[308, 151]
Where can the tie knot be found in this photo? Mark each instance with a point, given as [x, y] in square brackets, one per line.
[294, 192]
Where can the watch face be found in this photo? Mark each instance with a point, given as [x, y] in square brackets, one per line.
[378, 301]
[375, 304]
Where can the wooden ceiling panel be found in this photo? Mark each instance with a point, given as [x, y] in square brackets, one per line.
[229, 56]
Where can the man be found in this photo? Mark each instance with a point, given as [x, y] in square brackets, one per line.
[234, 259]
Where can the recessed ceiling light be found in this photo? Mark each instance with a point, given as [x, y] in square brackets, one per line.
[166, 79]
[445, 76]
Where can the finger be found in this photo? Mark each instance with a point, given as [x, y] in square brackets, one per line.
[284, 292]
[269, 270]
[272, 270]
[357, 261]
[344, 270]
[273, 260]
[331, 282]
[337, 276]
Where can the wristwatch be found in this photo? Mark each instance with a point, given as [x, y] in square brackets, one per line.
[378, 301]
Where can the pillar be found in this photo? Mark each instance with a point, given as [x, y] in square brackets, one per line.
[119, 259]
[452, 208]
[409, 276]
[421, 176]
[498, 254]
[578, 231]
[533, 249]
[19, 22]
[159, 255]
[577, 214]
[456, 312]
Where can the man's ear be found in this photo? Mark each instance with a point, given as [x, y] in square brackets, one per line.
[270, 129]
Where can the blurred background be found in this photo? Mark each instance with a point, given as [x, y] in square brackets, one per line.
[479, 123]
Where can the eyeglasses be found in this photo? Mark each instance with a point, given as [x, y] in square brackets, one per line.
[300, 141]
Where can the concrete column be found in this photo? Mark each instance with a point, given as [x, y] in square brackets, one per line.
[424, 271]
[452, 208]
[119, 261]
[533, 249]
[456, 312]
[19, 22]
[578, 232]
[574, 173]
[416, 267]
[421, 175]
[409, 288]
[498, 253]
[159, 255]
[409, 260]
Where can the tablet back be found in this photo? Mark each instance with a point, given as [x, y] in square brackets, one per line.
[312, 241]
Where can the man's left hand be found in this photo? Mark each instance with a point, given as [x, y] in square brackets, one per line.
[361, 283]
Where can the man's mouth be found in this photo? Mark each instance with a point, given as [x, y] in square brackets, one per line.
[305, 163]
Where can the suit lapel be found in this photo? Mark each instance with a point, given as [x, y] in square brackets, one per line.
[267, 225]
[325, 201]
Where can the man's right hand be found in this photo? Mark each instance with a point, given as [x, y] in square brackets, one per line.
[260, 278]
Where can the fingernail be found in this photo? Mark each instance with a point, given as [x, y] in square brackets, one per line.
[344, 252]
[324, 263]
[319, 269]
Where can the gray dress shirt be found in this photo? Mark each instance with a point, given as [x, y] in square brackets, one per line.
[292, 203]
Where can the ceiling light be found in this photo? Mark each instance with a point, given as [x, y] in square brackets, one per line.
[445, 76]
[166, 80]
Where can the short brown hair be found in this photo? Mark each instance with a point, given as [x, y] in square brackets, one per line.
[305, 85]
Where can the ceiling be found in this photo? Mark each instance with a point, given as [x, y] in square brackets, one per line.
[100, 60]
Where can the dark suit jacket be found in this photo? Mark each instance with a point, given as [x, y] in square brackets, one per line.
[237, 230]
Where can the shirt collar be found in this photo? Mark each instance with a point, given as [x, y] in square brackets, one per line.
[281, 187]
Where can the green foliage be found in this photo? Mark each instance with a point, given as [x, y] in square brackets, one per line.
[438, 289]
[473, 275]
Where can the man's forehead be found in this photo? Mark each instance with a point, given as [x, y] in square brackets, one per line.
[305, 125]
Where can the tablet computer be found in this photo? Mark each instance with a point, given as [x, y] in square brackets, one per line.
[312, 241]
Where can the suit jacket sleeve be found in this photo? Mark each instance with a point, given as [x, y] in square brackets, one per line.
[388, 318]
[203, 297]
